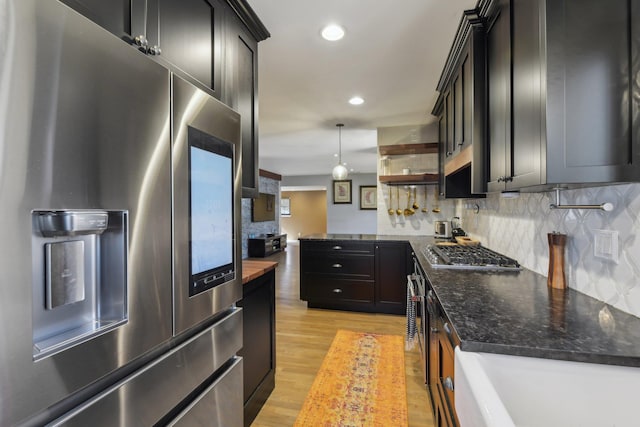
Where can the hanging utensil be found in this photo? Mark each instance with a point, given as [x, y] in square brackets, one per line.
[436, 208]
[408, 211]
[424, 209]
[391, 210]
[398, 211]
[415, 206]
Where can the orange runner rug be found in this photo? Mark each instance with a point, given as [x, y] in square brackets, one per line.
[361, 383]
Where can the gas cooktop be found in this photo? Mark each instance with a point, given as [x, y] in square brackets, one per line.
[465, 257]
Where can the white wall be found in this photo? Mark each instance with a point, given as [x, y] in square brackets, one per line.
[342, 219]
[518, 228]
[420, 224]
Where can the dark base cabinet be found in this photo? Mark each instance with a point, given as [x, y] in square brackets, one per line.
[354, 275]
[259, 351]
[393, 263]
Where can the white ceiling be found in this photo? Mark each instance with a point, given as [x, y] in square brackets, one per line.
[392, 56]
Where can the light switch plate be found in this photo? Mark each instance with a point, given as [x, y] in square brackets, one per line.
[605, 245]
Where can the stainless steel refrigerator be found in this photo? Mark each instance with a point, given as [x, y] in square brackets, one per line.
[119, 209]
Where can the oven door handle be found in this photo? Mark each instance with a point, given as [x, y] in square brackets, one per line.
[415, 296]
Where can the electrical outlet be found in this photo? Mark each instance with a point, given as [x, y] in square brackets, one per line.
[605, 244]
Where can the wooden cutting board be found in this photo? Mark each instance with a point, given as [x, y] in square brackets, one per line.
[468, 241]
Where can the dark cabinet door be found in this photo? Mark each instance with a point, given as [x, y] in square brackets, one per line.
[467, 102]
[635, 81]
[124, 18]
[499, 97]
[191, 39]
[458, 111]
[392, 266]
[587, 93]
[527, 96]
[448, 111]
[442, 149]
[242, 89]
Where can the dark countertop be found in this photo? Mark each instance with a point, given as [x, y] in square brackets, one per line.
[363, 237]
[517, 314]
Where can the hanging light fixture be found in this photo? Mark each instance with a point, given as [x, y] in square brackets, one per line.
[339, 171]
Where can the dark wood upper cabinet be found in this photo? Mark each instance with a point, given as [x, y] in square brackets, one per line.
[461, 109]
[190, 36]
[115, 16]
[211, 43]
[569, 116]
[242, 95]
[498, 95]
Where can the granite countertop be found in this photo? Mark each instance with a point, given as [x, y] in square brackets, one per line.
[516, 313]
[362, 237]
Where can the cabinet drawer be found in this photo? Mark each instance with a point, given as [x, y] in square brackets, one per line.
[354, 266]
[322, 288]
[337, 246]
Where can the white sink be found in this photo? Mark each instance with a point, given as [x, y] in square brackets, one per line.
[504, 391]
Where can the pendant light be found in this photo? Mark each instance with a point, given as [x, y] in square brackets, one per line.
[339, 171]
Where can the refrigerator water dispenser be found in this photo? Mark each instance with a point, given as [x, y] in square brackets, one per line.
[79, 276]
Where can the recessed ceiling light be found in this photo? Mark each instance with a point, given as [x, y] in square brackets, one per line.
[335, 154]
[332, 32]
[356, 100]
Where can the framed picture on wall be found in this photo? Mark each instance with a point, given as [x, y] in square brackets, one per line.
[342, 192]
[368, 197]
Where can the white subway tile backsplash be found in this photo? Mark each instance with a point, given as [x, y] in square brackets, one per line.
[518, 228]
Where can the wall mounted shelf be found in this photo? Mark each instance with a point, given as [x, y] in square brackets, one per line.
[415, 179]
[400, 149]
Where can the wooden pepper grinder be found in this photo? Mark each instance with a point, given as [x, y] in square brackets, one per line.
[556, 278]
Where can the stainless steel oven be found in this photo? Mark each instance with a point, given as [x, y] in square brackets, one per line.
[417, 284]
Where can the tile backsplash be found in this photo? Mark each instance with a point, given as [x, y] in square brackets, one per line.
[518, 227]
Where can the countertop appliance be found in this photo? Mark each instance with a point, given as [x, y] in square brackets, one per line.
[107, 318]
[442, 229]
[467, 257]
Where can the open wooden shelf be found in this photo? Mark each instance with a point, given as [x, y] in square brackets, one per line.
[422, 148]
[415, 179]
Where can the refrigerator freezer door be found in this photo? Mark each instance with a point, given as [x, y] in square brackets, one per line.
[162, 390]
[84, 125]
[192, 107]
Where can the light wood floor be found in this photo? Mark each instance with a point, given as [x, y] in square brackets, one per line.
[303, 337]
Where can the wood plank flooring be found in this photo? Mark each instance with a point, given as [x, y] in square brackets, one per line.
[303, 337]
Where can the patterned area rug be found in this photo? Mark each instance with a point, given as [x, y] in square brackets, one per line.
[361, 383]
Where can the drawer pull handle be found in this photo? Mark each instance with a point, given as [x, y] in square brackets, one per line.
[337, 291]
[448, 383]
[337, 266]
[337, 248]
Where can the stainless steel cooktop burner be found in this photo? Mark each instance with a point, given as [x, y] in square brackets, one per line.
[466, 257]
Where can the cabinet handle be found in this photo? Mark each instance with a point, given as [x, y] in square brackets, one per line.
[337, 266]
[508, 178]
[155, 50]
[447, 328]
[337, 291]
[500, 178]
[337, 248]
[448, 383]
[434, 330]
[141, 41]
[449, 153]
